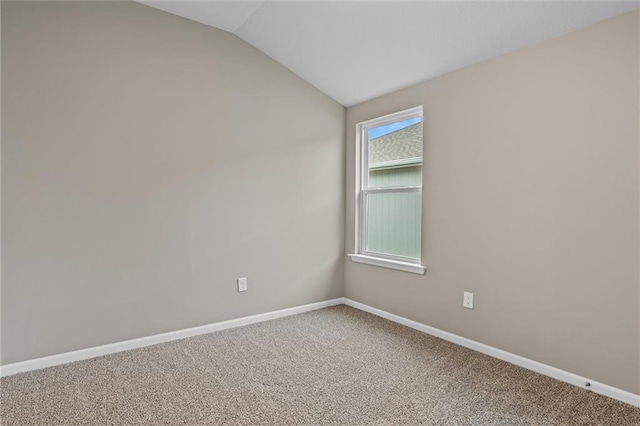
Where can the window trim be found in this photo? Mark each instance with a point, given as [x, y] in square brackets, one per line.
[388, 263]
[361, 255]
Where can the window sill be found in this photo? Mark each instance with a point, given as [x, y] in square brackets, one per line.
[387, 263]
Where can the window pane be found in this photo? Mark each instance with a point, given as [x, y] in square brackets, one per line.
[400, 176]
[394, 223]
[395, 154]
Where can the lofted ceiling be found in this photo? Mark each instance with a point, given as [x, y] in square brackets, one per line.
[356, 50]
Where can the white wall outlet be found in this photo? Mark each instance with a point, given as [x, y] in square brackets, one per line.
[467, 300]
[242, 284]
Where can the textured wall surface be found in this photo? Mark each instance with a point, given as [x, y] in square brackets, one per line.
[530, 201]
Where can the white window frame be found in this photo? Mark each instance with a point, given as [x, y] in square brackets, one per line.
[402, 263]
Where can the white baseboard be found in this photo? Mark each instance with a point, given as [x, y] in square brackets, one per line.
[538, 367]
[65, 358]
[547, 370]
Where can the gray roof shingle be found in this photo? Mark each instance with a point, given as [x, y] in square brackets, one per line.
[396, 146]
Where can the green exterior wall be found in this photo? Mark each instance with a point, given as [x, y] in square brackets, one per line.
[394, 220]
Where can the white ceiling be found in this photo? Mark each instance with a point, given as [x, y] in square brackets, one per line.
[354, 50]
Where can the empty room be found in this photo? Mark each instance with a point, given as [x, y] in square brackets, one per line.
[320, 212]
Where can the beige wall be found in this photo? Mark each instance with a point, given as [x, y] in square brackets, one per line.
[530, 201]
[148, 161]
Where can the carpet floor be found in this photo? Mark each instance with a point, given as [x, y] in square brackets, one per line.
[332, 366]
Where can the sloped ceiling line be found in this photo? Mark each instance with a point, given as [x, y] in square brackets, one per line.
[249, 17]
[354, 51]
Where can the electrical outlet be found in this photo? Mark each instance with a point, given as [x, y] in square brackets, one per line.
[242, 284]
[467, 300]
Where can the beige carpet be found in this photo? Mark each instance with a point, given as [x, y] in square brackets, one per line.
[333, 366]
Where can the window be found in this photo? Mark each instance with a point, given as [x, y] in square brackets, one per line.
[389, 199]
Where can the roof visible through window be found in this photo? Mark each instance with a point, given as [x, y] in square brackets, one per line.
[402, 143]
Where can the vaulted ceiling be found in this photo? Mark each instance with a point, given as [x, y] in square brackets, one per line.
[354, 50]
